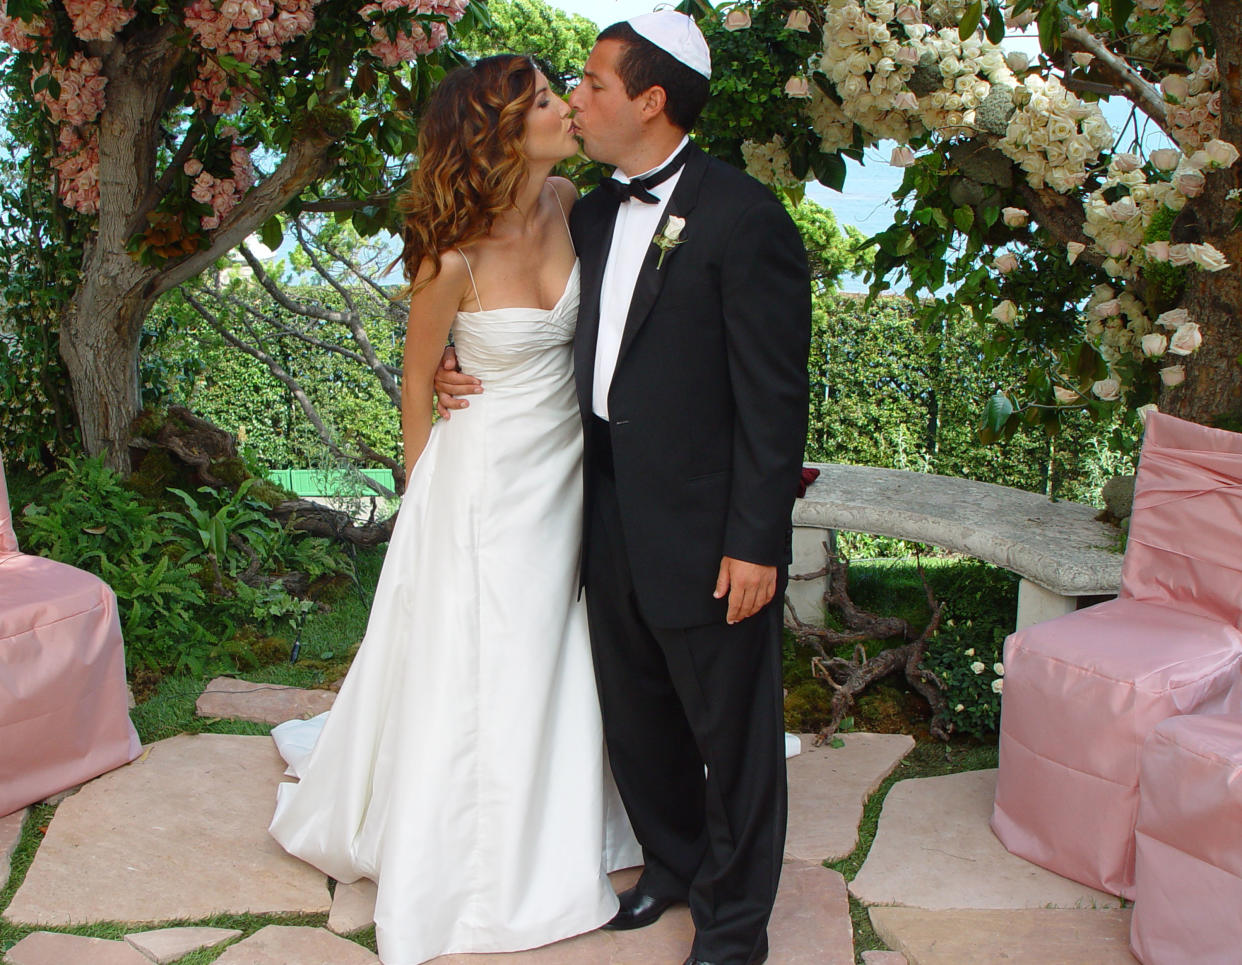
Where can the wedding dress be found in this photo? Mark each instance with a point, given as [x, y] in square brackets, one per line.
[462, 766]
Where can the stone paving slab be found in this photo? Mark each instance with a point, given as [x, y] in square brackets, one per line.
[810, 926]
[828, 787]
[353, 906]
[296, 945]
[261, 703]
[933, 849]
[10, 834]
[53, 948]
[1034, 936]
[883, 958]
[164, 945]
[180, 834]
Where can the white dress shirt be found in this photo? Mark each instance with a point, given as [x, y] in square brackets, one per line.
[637, 224]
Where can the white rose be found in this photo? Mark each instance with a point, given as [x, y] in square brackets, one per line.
[1006, 313]
[1172, 375]
[1220, 153]
[905, 101]
[1166, 158]
[1015, 217]
[1017, 61]
[737, 19]
[673, 227]
[1145, 410]
[1106, 390]
[1189, 183]
[1186, 339]
[1123, 209]
[959, 708]
[998, 686]
[1157, 250]
[970, 652]
[799, 20]
[1173, 318]
[998, 669]
[1082, 58]
[1154, 345]
[1180, 255]
[978, 666]
[1107, 308]
[1207, 257]
[1181, 38]
[1005, 263]
[1064, 396]
[902, 157]
[1126, 162]
[1175, 86]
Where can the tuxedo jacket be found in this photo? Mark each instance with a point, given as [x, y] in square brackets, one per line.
[708, 402]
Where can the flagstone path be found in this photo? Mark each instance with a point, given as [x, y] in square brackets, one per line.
[180, 835]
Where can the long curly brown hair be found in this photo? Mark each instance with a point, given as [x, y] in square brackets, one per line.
[470, 159]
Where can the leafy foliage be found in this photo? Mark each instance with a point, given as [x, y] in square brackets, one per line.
[179, 612]
[885, 392]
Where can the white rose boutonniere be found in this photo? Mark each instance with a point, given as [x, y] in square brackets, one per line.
[669, 238]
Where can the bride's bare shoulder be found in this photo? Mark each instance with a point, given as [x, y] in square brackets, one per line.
[565, 191]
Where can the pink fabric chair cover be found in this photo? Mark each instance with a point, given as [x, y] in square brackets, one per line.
[63, 699]
[1188, 900]
[1083, 692]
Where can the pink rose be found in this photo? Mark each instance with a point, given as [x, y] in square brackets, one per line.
[1186, 339]
[1172, 375]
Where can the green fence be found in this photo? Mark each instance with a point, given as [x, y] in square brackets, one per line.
[321, 483]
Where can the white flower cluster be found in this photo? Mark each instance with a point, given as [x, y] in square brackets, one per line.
[833, 125]
[1194, 103]
[769, 163]
[1116, 324]
[969, 69]
[869, 66]
[1118, 227]
[1054, 135]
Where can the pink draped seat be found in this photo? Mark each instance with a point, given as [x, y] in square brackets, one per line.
[1188, 867]
[63, 699]
[1084, 691]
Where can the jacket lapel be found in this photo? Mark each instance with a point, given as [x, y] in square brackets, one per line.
[650, 278]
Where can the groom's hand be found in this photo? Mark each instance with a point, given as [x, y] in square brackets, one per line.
[749, 585]
[451, 384]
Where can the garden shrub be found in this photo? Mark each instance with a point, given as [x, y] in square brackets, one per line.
[175, 566]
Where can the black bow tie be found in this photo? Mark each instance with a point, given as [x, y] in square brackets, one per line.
[640, 188]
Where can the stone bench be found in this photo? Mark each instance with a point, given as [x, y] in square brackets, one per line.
[1061, 551]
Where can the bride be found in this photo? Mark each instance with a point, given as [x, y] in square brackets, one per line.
[462, 767]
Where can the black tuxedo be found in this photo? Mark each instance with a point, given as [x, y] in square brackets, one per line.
[700, 459]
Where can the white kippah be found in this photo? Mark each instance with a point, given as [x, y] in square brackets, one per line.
[678, 35]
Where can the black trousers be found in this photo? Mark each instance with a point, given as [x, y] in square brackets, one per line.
[677, 701]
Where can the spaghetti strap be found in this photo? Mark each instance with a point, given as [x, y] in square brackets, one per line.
[469, 270]
[556, 194]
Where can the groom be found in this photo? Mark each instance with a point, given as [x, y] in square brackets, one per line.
[690, 362]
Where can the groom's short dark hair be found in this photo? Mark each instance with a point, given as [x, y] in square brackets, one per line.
[644, 65]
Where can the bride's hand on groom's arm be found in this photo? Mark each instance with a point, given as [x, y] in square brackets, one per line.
[750, 587]
[452, 385]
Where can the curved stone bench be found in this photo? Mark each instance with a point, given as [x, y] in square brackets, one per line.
[1059, 549]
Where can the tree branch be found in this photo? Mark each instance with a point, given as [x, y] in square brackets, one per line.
[292, 384]
[1145, 95]
[326, 205]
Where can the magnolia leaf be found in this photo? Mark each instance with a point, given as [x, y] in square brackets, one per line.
[1050, 28]
[970, 20]
[995, 31]
[272, 233]
[997, 412]
[1119, 12]
[964, 218]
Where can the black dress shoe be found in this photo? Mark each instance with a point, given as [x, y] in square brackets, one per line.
[637, 910]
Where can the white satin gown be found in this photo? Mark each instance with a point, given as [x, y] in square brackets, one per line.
[462, 766]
